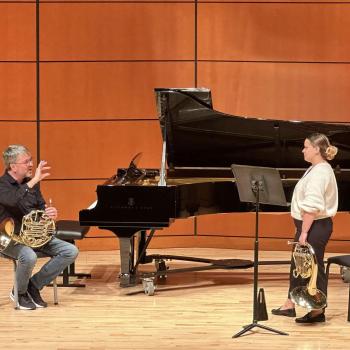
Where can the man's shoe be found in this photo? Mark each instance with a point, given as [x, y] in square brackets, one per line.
[24, 301]
[35, 295]
[308, 318]
[286, 312]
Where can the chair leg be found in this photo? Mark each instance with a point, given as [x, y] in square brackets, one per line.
[55, 294]
[15, 286]
[65, 280]
[72, 272]
[69, 271]
[65, 276]
[327, 274]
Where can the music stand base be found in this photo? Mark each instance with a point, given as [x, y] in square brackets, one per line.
[254, 324]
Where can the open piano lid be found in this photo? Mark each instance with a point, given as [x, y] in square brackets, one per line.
[198, 136]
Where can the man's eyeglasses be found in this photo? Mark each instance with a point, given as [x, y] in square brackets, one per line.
[25, 162]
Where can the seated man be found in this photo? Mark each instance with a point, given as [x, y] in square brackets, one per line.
[19, 195]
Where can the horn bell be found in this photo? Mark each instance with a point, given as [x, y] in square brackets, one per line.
[302, 297]
[306, 267]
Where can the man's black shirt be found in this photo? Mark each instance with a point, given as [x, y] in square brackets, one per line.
[17, 200]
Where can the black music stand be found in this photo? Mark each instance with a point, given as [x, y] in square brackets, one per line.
[258, 185]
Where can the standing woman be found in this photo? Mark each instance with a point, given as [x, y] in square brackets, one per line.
[314, 203]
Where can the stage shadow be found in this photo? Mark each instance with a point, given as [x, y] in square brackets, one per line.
[107, 276]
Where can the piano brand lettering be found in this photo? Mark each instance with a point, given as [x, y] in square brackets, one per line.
[131, 202]
[131, 205]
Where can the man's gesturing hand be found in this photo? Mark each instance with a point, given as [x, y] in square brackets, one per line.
[41, 173]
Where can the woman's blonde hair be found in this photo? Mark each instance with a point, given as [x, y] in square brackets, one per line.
[327, 150]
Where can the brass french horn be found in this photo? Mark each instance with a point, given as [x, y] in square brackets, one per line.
[37, 229]
[306, 267]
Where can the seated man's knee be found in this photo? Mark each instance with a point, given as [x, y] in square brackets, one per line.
[72, 252]
[27, 257]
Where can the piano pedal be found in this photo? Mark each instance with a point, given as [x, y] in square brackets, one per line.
[161, 269]
[148, 285]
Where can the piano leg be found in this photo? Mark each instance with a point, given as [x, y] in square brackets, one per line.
[141, 255]
[127, 273]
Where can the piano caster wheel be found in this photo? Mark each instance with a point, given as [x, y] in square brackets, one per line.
[148, 286]
[345, 273]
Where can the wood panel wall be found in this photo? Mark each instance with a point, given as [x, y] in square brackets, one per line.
[77, 82]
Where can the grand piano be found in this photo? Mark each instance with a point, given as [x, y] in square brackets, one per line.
[195, 177]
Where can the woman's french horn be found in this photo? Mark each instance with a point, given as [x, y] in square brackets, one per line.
[37, 229]
[306, 267]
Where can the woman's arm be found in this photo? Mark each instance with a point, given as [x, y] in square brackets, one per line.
[308, 219]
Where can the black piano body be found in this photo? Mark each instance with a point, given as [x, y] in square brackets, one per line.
[199, 146]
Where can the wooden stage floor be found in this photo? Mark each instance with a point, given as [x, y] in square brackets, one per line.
[193, 310]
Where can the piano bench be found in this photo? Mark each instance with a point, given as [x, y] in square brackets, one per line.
[70, 231]
[344, 262]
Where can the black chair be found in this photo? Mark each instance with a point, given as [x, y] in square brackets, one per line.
[70, 231]
[341, 260]
[15, 287]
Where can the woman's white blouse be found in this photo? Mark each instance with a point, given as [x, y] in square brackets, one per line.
[316, 192]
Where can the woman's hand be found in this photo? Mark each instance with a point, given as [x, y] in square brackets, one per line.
[303, 238]
[308, 219]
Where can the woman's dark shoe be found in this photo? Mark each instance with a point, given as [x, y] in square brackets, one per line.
[308, 318]
[285, 312]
